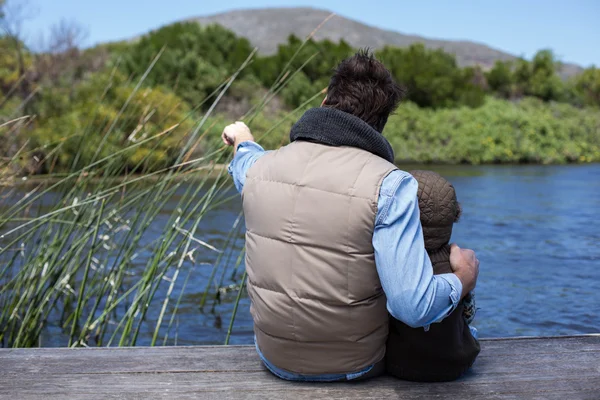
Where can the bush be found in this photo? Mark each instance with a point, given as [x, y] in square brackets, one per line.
[94, 127]
[528, 131]
[499, 132]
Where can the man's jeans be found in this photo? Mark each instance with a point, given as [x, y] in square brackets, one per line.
[369, 372]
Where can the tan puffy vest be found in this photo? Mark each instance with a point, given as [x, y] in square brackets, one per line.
[317, 301]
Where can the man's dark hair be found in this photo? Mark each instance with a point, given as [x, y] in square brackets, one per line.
[362, 86]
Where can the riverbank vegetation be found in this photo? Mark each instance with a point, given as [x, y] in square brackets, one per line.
[68, 97]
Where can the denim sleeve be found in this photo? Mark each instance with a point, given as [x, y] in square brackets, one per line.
[245, 157]
[414, 295]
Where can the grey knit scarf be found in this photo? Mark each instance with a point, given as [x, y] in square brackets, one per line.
[337, 128]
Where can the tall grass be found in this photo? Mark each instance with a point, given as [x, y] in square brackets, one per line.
[70, 245]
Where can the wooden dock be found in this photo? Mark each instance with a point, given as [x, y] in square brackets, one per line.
[515, 368]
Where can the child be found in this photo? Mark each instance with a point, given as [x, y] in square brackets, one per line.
[447, 349]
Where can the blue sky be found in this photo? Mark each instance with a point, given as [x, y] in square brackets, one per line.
[569, 27]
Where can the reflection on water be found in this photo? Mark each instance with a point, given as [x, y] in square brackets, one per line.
[534, 228]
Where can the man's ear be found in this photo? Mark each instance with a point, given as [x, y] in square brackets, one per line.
[323, 102]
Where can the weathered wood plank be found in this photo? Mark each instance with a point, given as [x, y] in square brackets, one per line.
[532, 368]
[246, 361]
[262, 385]
[217, 358]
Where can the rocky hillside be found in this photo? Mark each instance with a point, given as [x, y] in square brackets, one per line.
[266, 28]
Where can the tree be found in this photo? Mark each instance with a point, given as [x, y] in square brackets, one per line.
[10, 69]
[587, 86]
[15, 61]
[522, 76]
[472, 87]
[59, 60]
[539, 77]
[12, 16]
[545, 82]
[298, 90]
[500, 79]
[195, 60]
[433, 77]
[316, 59]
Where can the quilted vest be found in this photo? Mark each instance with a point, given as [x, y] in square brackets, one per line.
[316, 299]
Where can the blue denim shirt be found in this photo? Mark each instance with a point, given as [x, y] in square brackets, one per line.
[414, 295]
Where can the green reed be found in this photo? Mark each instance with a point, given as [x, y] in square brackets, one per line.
[76, 261]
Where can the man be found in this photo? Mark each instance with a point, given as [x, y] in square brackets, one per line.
[333, 235]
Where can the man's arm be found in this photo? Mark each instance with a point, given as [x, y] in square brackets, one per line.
[414, 295]
[246, 152]
[465, 265]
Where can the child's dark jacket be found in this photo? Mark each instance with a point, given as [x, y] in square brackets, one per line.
[447, 349]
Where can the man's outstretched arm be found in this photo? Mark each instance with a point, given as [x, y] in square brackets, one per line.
[414, 295]
[246, 152]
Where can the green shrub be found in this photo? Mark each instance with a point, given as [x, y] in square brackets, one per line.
[499, 132]
[93, 126]
[528, 131]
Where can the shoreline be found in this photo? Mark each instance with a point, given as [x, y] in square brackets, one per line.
[214, 171]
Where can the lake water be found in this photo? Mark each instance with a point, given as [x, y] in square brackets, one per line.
[535, 229]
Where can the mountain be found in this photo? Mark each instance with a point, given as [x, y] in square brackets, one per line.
[266, 28]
